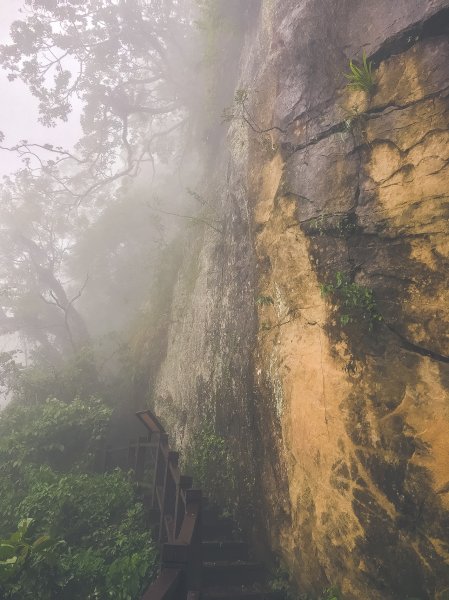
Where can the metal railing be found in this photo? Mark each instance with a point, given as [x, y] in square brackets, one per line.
[173, 503]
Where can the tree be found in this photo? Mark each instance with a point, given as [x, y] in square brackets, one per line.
[123, 60]
[126, 63]
[36, 234]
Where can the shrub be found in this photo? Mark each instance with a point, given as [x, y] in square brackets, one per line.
[57, 433]
[356, 302]
[104, 549]
[209, 461]
[76, 377]
[18, 550]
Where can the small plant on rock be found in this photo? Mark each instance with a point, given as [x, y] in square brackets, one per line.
[332, 224]
[239, 112]
[281, 582]
[352, 117]
[356, 302]
[264, 300]
[331, 593]
[361, 77]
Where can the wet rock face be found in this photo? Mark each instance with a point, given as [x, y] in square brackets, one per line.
[363, 192]
[338, 405]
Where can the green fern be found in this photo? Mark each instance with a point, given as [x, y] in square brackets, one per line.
[361, 78]
[264, 300]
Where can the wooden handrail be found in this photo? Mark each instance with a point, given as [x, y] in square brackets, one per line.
[179, 507]
[166, 585]
[150, 421]
[177, 504]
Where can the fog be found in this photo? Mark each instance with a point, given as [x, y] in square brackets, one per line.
[110, 112]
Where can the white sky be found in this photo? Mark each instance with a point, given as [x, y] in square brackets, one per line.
[18, 108]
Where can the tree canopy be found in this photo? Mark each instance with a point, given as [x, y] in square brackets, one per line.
[123, 62]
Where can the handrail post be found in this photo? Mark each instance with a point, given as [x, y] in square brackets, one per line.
[161, 475]
[140, 459]
[194, 579]
[185, 482]
[155, 473]
[168, 499]
[171, 495]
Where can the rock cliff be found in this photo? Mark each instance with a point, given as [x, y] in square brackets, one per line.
[312, 326]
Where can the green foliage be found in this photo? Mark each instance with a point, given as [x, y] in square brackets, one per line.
[356, 302]
[208, 459]
[336, 225]
[103, 552]
[78, 504]
[281, 582]
[361, 77]
[241, 96]
[331, 593]
[103, 548]
[107, 545]
[264, 300]
[125, 575]
[75, 377]
[57, 433]
[18, 550]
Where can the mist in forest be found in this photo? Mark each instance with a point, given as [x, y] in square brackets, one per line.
[110, 110]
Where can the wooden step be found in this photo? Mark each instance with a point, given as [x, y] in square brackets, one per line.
[225, 550]
[222, 528]
[235, 573]
[241, 593]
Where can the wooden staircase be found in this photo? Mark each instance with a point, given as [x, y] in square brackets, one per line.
[228, 572]
[202, 554]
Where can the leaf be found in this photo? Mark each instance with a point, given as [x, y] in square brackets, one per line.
[24, 525]
[44, 541]
[354, 68]
[9, 561]
[6, 551]
[344, 319]
[16, 537]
